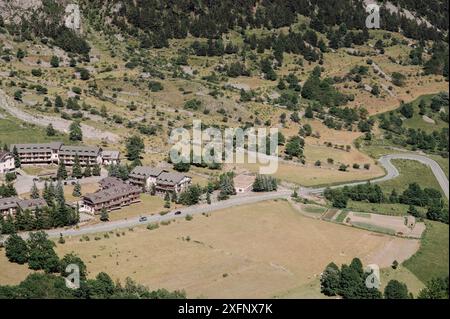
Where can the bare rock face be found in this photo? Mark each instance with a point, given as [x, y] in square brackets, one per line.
[72, 18]
[14, 11]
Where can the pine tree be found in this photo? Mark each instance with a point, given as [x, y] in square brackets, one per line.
[75, 132]
[59, 194]
[174, 197]
[17, 162]
[62, 172]
[167, 200]
[104, 217]
[76, 169]
[96, 170]
[87, 170]
[50, 131]
[153, 189]
[34, 191]
[76, 190]
[59, 102]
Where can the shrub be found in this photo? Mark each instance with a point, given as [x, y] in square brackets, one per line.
[152, 226]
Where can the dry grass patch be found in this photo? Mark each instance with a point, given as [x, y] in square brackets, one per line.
[247, 243]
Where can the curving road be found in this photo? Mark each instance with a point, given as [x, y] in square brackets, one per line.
[392, 172]
[250, 198]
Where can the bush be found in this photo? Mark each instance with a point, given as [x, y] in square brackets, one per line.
[152, 226]
[36, 72]
[155, 86]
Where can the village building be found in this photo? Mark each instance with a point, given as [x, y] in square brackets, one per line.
[86, 154]
[172, 182]
[114, 194]
[38, 153]
[54, 152]
[110, 157]
[144, 176]
[10, 205]
[6, 162]
[164, 181]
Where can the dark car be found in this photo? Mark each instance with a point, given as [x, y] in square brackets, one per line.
[177, 212]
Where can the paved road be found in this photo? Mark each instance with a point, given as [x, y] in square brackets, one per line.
[392, 172]
[249, 198]
[241, 199]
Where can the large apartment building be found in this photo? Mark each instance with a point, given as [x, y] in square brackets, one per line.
[40, 153]
[54, 152]
[113, 194]
[86, 154]
[6, 162]
[164, 181]
[10, 205]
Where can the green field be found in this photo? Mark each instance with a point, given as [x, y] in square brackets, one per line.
[432, 259]
[384, 208]
[314, 209]
[14, 131]
[410, 172]
[401, 274]
[341, 217]
[417, 122]
[374, 228]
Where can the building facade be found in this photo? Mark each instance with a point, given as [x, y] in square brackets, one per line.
[10, 205]
[113, 194]
[110, 157]
[53, 153]
[86, 154]
[41, 153]
[144, 176]
[148, 177]
[6, 162]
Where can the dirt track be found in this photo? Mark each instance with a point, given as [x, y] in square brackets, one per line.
[59, 124]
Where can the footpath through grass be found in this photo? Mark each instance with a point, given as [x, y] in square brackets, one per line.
[432, 259]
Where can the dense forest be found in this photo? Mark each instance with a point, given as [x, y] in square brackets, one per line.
[154, 22]
[160, 20]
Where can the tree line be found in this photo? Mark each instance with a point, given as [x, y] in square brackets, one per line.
[56, 214]
[38, 252]
[351, 282]
[413, 195]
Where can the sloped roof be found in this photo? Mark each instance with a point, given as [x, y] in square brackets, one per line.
[8, 202]
[36, 147]
[4, 155]
[111, 154]
[80, 150]
[31, 203]
[170, 178]
[145, 171]
[108, 194]
[110, 181]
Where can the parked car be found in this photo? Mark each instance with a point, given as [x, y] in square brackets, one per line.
[142, 219]
[177, 212]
